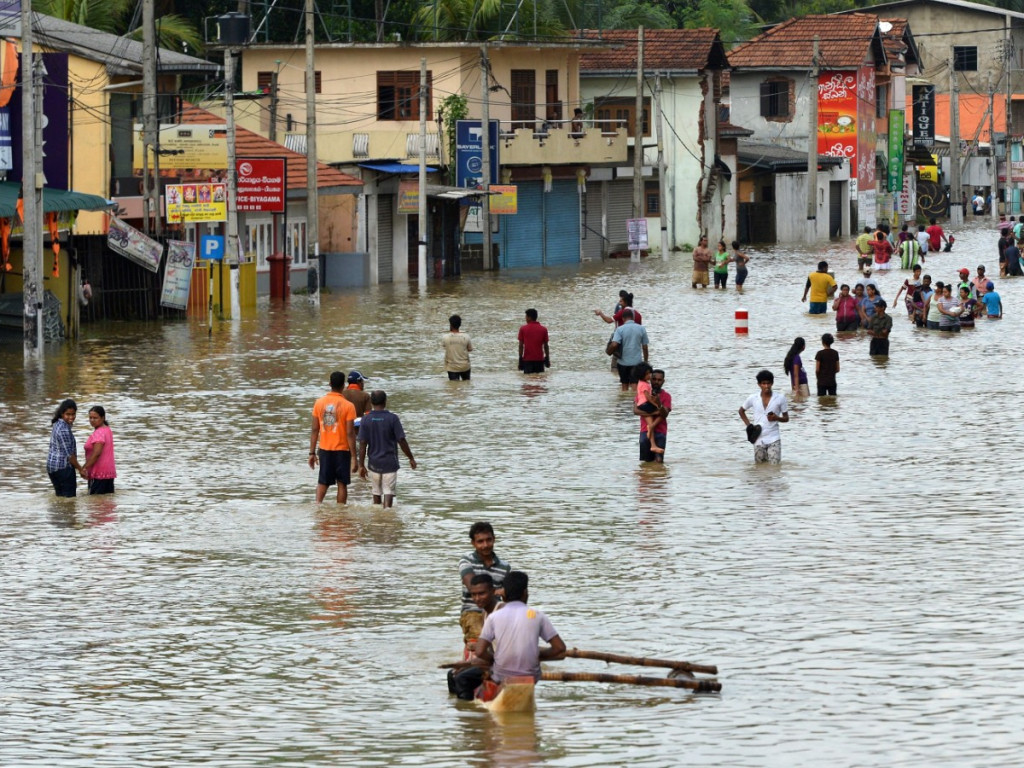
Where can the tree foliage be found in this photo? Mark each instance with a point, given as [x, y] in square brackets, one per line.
[115, 16]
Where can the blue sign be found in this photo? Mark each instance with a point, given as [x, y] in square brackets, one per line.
[469, 141]
[211, 247]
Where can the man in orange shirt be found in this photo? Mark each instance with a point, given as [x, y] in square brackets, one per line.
[333, 426]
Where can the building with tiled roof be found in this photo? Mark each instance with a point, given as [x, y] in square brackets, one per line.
[687, 65]
[856, 78]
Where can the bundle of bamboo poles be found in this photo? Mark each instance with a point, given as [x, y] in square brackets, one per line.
[681, 674]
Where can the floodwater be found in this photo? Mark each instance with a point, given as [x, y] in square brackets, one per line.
[862, 601]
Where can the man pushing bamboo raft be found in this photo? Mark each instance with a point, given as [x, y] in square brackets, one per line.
[508, 646]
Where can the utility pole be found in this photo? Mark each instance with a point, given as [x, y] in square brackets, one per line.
[662, 185]
[150, 126]
[273, 103]
[812, 148]
[421, 251]
[1007, 141]
[33, 290]
[638, 136]
[956, 211]
[231, 249]
[312, 202]
[993, 166]
[485, 155]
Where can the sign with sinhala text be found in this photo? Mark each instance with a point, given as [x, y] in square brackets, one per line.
[408, 197]
[506, 201]
[261, 184]
[192, 203]
[896, 129]
[181, 257]
[133, 245]
[184, 147]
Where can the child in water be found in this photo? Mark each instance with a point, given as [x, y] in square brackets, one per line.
[648, 402]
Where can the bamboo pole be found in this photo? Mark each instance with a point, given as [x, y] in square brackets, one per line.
[642, 661]
[700, 686]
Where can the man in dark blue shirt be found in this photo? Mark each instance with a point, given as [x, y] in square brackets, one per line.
[381, 432]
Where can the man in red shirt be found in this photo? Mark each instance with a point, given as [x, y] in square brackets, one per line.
[935, 235]
[534, 355]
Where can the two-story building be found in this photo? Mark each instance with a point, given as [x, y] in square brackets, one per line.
[683, 77]
[368, 122]
[91, 93]
[842, 69]
[981, 49]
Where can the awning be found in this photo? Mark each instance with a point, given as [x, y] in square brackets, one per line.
[395, 168]
[454, 193]
[776, 159]
[54, 200]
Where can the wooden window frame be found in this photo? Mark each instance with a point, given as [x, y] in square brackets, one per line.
[777, 94]
[618, 113]
[403, 103]
[524, 98]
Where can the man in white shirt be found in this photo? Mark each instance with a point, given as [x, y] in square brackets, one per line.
[768, 409]
[509, 640]
[457, 347]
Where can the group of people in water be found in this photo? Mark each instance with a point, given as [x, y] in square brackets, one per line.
[719, 263]
[62, 464]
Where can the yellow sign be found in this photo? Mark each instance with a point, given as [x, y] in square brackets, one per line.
[506, 199]
[408, 197]
[189, 203]
[928, 172]
[185, 147]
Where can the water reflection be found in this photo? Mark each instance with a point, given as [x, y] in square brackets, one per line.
[232, 622]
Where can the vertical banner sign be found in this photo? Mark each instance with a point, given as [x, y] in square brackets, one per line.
[837, 118]
[56, 133]
[896, 130]
[924, 115]
[469, 142]
[181, 257]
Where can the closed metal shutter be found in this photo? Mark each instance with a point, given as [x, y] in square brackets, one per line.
[523, 233]
[385, 239]
[591, 233]
[562, 223]
[620, 210]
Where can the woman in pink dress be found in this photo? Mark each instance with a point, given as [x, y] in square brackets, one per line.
[99, 469]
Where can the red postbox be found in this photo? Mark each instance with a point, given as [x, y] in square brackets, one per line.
[280, 272]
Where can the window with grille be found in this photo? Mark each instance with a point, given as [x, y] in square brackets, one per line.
[398, 96]
[295, 242]
[259, 242]
[965, 58]
[652, 199]
[775, 98]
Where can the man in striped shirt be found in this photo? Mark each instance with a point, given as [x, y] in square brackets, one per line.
[481, 560]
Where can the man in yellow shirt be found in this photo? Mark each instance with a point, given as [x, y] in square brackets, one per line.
[821, 286]
[334, 428]
[865, 253]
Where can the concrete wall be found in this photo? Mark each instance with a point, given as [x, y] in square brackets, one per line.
[745, 109]
[791, 222]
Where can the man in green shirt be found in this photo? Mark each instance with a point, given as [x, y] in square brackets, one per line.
[879, 327]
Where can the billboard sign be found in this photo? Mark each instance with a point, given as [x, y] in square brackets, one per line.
[469, 142]
[194, 203]
[924, 115]
[261, 184]
[186, 147]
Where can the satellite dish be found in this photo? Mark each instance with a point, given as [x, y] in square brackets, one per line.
[885, 26]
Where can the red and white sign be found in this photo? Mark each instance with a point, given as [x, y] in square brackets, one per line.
[261, 184]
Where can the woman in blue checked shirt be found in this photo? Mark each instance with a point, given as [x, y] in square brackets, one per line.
[62, 462]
